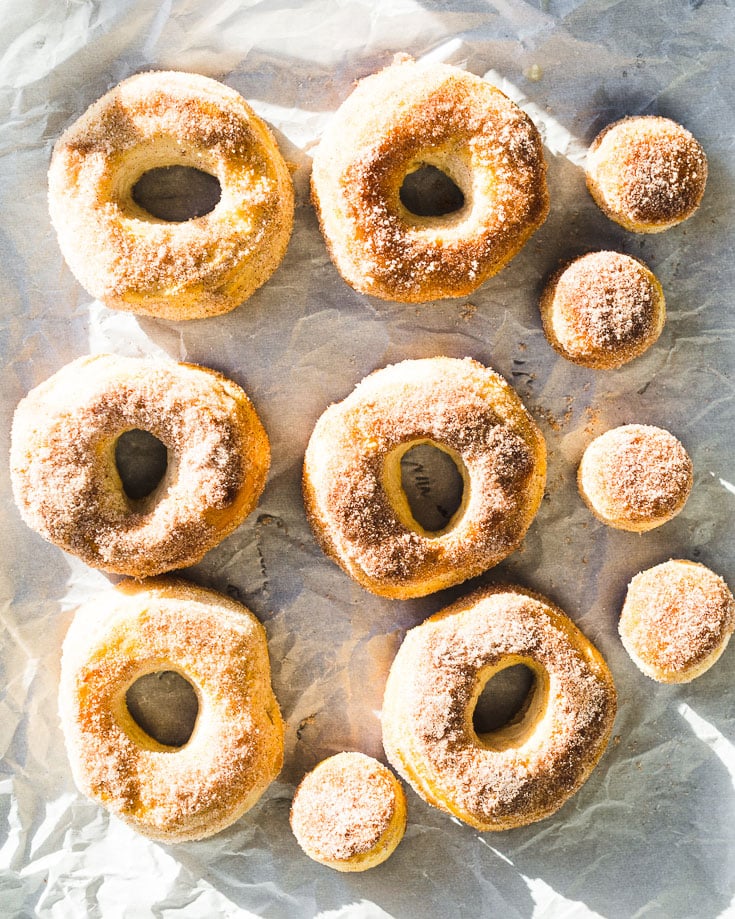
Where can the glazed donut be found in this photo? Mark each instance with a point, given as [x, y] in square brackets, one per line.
[676, 620]
[349, 813]
[602, 310]
[412, 115]
[525, 770]
[131, 260]
[236, 749]
[352, 475]
[646, 173]
[635, 477]
[67, 485]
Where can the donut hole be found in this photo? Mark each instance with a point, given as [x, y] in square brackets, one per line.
[141, 460]
[177, 193]
[430, 192]
[432, 484]
[165, 707]
[508, 704]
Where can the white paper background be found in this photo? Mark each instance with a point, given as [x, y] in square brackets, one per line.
[653, 831]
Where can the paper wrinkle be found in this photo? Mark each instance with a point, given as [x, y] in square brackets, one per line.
[651, 833]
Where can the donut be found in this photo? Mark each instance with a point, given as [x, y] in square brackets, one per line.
[408, 116]
[602, 310]
[132, 260]
[677, 620]
[65, 479]
[525, 770]
[635, 477]
[349, 813]
[353, 490]
[646, 173]
[168, 793]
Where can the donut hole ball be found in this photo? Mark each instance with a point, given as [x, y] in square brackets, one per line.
[676, 620]
[349, 813]
[497, 776]
[635, 477]
[603, 310]
[164, 705]
[646, 173]
[177, 193]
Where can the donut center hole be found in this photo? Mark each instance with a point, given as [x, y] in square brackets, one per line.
[429, 192]
[165, 706]
[504, 700]
[177, 193]
[141, 461]
[433, 486]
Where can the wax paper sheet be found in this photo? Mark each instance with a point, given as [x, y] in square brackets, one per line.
[652, 833]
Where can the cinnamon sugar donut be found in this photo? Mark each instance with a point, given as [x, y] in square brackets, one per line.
[352, 475]
[349, 813]
[635, 477]
[236, 749]
[525, 770]
[602, 310]
[412, 115]
[130, 259]
[646, 173]
[677, 620]
[67, 485]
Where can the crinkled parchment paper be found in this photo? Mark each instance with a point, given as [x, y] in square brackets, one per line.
[652, 833]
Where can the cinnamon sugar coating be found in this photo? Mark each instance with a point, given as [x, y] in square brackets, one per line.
[132, 260]
[635, 477]
[646, 173]
[68, 488]
[411, 115]
[603, 310]
[677, 620]
[526, 770]
[236, 749]
[349, 813]
[352, 485]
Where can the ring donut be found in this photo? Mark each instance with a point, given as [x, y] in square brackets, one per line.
[236, 748]
[65, 479]
[412, 115]
[131, 260]
[527, 769]
[352, 475]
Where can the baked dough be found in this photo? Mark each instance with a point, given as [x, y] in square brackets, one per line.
[635, 477]
[67, 485]
[405, 117]
[236, 750]
[527, 769]
[646, 173]
[130, 259]
[349, 813]
[603, 309]
[676, 620]
[352, 475]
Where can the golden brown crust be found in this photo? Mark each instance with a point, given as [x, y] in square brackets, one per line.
[676, 620]
[646, 173]
[526, 770]
[603, 309]
[236, 749]
[349, 813]
[133, 261]
[396, 121]
[635, 477]
[67, 486]
[352, 490]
